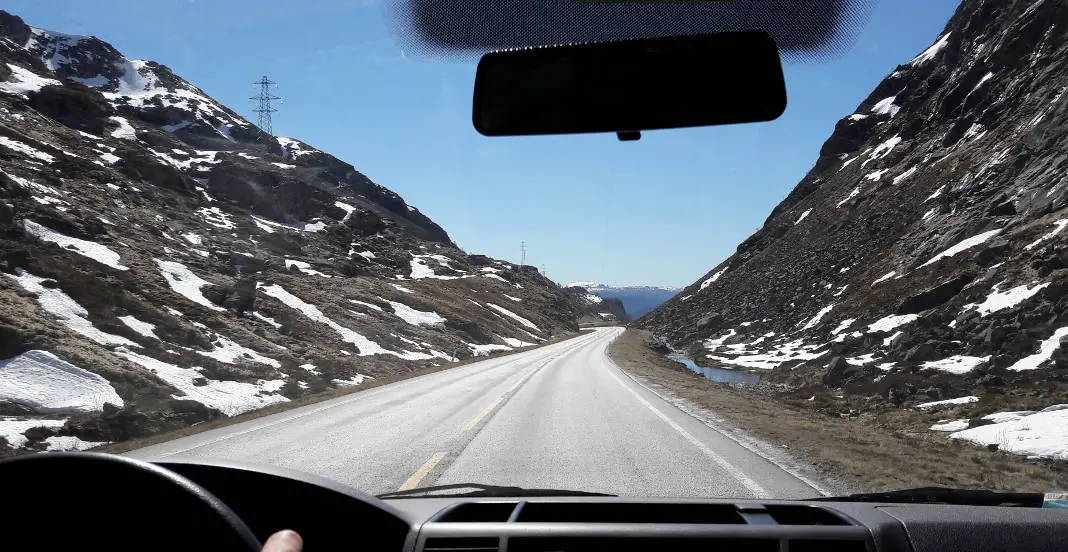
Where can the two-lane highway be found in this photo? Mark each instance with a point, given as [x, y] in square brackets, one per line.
[561, 416]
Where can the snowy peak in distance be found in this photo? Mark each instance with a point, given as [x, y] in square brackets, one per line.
[637, 300]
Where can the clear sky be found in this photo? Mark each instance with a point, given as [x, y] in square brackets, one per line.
[661, 211]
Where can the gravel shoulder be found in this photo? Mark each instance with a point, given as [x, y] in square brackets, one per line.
[861, 453]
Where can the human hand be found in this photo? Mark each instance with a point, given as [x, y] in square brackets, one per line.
[284, 541]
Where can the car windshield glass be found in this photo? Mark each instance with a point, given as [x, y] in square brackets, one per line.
[271, 233]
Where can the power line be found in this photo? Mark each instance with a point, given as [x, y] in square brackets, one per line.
[265, 108]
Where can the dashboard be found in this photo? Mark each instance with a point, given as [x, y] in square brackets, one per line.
[331, 516]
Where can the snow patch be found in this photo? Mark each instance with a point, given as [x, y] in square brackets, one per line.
[229, 397]
[15, 145]
[513, 316]
[931, 52]
[954, 425]
[227, 351]
[416, 317]
[305, 268]
[22, 81]
[66, 310]
[950, 402]
[888, 323]
[712, 279]
[958, 364]
[963, 245]
[183, 282]
[139, 326]
[1042, 434]
[819, 316]
[1058, 226]
[12, 428]
[95, 251]
[1000, 300]
[1045, 352]
[125, 131]
[886, 106]
[44, 382]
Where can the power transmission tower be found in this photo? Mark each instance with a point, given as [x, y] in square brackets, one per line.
[543, 272]
[523, 251]
[265, 108]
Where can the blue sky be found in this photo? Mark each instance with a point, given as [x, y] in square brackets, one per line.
[661, 211]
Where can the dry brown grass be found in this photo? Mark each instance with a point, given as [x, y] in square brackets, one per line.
[133, 444]
[866, 453]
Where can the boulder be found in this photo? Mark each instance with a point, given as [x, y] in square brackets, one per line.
[935, 296]
[241, 296]
[922, 352]
[840, 372]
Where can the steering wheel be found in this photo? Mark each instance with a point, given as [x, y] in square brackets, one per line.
[91, 501]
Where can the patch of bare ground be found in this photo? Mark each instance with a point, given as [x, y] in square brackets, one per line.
[133, 444]
[873, 451]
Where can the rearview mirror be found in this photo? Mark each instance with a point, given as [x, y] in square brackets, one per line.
[630, 86]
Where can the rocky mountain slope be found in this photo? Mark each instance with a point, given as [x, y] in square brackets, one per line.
[637, 300]
[164, 262]
[923, 257]
[596, 310]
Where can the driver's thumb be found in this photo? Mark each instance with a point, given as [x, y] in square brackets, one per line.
[284, 541]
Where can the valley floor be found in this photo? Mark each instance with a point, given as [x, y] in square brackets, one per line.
[869, 452]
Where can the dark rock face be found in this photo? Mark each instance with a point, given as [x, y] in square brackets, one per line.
[75, 105]
[929, 233]
[182, 236]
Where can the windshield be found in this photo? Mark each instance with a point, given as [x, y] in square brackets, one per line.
[270, 233]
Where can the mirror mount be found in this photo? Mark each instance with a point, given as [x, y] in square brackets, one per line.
[629, 135]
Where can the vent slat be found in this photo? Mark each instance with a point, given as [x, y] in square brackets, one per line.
[461, 544]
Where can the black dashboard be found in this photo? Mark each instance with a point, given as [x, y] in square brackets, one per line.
[331, 516]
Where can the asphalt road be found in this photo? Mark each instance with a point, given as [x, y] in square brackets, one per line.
[561, 416]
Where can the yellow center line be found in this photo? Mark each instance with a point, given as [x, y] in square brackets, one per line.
[485, 411]
[420, 473]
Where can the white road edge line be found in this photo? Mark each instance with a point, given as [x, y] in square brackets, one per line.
[422, 472]
[748, 446]
[739, 475]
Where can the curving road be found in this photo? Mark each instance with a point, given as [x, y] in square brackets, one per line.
[561, 416]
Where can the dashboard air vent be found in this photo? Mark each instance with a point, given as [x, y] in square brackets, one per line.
[581, 544]
[623, 512]
[462, 544]
[478, 512]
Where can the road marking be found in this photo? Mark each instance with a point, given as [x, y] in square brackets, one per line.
[745, 480]
[496, 402]
[485, 411]
[300, 412]
[423, 470]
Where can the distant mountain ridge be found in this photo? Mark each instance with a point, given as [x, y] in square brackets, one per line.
[637, 300]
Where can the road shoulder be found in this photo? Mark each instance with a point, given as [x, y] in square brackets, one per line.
[844, 454]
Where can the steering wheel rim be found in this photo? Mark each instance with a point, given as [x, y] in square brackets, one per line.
[119, 493]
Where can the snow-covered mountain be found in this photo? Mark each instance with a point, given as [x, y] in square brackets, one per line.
[924, 256]
[637, 300]
[164, 262]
